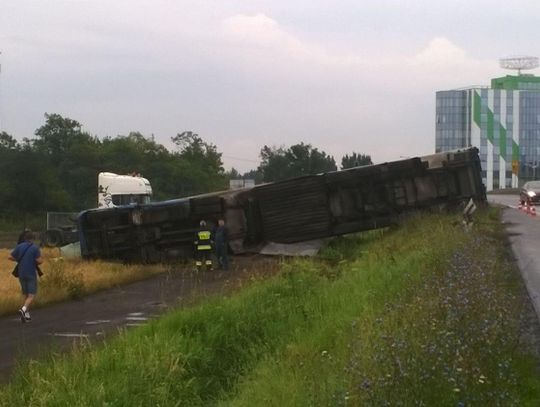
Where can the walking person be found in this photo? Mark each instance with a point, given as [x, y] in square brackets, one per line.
[221, 244]
[203, 247]
[28, 257]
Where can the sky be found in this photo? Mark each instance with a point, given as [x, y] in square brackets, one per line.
[343, 76]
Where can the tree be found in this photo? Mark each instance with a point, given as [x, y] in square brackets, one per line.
[233, 174]
[29, 179]
[255, 175]
[57, 170]
[200, 163]
[73, 156]
[194, 148]
[140, 154]
[278, 163]
[131, 153]
[7, 142]
[29, 184]
[355, 160]
[57, 135]
[10, 160]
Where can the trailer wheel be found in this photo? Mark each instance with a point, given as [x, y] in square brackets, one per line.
[53, 238]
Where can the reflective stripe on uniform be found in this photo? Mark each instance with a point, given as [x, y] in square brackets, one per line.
[204, 235]
[204, 247]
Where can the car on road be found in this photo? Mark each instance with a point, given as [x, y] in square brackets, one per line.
[530, 192]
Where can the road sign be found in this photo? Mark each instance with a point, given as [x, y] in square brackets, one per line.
[515, 167]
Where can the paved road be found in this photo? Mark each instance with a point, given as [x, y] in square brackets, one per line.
[101, 314]
[524, 235]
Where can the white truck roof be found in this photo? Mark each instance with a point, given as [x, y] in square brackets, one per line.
[110, 185]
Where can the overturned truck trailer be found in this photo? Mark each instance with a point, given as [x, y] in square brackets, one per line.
[295, 210]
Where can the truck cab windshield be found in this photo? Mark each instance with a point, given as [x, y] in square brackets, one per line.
[128, 199]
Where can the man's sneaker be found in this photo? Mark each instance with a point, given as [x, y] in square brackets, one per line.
[23, 316]
[27, 316]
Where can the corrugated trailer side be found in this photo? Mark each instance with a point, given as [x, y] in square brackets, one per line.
[289, 211]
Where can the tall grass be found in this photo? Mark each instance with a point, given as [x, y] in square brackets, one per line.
[67, 279]
[451, 335]
[427, 314]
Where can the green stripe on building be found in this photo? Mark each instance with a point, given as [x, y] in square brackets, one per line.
[490, 126]
[477, 102]
[502, 141]
[515, 151]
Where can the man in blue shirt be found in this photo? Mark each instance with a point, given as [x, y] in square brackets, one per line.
[28, 255]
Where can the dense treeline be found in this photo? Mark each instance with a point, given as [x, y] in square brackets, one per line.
[300, 159]
[57, 169]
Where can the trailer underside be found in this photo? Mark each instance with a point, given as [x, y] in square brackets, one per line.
[295, 210]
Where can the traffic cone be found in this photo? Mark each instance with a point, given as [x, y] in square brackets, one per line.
[532, 211]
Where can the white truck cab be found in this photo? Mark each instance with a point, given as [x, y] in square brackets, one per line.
[115, 190]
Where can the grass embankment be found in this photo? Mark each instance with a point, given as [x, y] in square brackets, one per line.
[424, 315]
[67, 279]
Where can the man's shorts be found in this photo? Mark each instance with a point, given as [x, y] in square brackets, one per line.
[28, 285]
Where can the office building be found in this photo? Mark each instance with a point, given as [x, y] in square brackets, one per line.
[502, 121]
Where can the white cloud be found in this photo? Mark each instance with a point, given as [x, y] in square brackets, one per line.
[349, 100]
[260, 44]
[445, 64]
[440, 51]
[261, 47]
[241, 73]
[259, 30]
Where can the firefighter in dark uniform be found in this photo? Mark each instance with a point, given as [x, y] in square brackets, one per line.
[203, 247]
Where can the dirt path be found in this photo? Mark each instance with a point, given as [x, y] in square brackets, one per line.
[98, 315]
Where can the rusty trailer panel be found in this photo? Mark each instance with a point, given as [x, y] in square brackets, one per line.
[290, 211]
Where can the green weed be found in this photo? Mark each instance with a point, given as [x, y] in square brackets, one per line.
[57, 280]
[424, 314]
